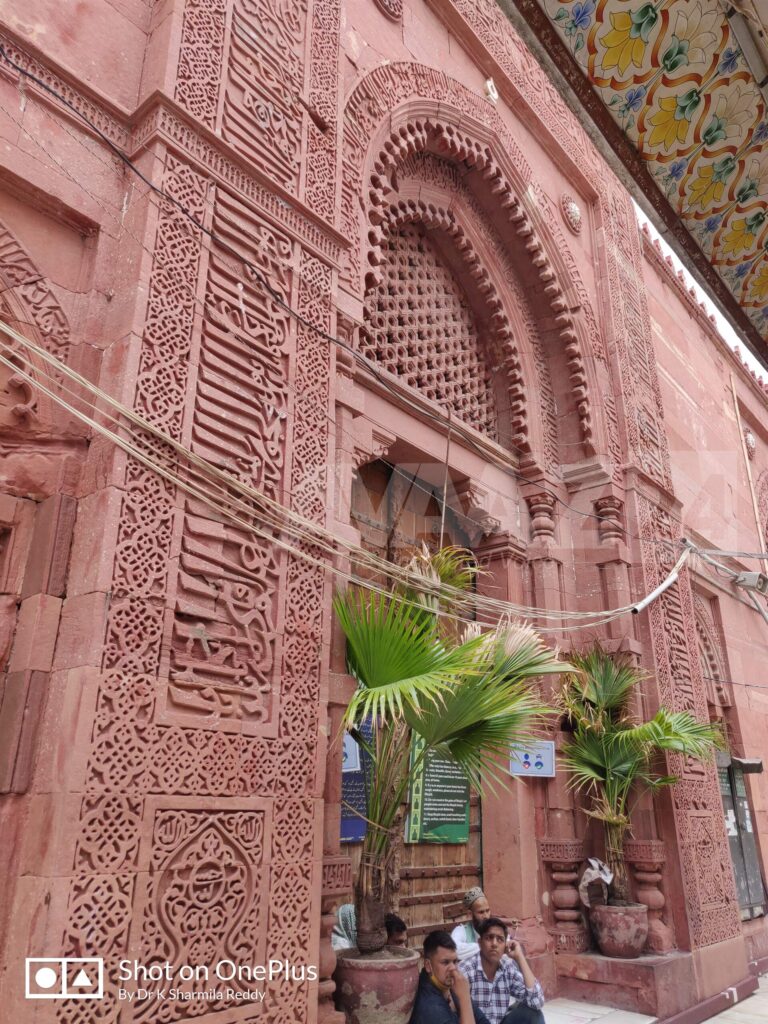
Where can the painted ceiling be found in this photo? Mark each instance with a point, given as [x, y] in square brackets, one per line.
[672, 76]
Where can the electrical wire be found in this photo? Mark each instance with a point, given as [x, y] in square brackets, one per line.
[362, 360]
[306, 530]
[312, 540]
[248, 525]
[203, 306]
[733, 554]
[369, 365]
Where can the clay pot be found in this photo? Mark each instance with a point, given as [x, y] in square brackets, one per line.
[375, 989]
[620, 931]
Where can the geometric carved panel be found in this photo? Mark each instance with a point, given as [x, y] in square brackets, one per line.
[225, 645]
[262, 114]
[424, 331]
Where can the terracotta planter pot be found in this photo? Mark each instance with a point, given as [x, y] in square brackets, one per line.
[620, 931]
[373, 990]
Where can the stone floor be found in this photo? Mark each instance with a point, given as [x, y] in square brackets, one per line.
[569, 1011]
[752, 1010]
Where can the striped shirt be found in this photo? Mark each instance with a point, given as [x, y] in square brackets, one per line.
[494, 997]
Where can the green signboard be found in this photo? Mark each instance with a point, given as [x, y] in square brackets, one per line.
[439, 800]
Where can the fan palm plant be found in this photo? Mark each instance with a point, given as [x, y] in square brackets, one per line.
[467, 698]
[612, 757]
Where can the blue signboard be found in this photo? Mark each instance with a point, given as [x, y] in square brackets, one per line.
[355, 763]
[536, 760]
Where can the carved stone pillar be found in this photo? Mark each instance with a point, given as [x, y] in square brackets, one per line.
[646, 858]
[337, 883]
[542, 508]
[546, 566]
[563, 858]
[613, 562]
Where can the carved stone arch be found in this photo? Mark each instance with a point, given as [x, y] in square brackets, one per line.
[490, 286]
[28, 304]
[435, 188]
[385, 125]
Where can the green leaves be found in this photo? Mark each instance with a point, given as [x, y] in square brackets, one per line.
[397, 656]
[611, 756]
[470, 699]
[643, 22]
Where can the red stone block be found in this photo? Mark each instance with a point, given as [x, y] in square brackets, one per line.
[656, 985]
[31, 725]
[93, 541]
[14, 700]
[81, 637]
[36, 632]
[46, 570]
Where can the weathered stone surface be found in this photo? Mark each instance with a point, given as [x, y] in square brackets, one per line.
[169, 707]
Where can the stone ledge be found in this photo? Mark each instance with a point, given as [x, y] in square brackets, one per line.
[715, 1004]
[658, 985]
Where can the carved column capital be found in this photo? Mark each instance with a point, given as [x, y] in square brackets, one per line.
[611, 512]
[336, 886]
[542, 509]
[372, 444]
[646, 858]
[476, 501]
[563, 858]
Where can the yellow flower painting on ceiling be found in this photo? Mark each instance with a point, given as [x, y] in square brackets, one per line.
[673, 77]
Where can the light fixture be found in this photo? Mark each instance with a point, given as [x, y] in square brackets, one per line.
[757, 581]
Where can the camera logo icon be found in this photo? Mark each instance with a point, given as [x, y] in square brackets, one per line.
[57, 977]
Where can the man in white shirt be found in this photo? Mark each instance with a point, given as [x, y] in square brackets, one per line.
[466, 935]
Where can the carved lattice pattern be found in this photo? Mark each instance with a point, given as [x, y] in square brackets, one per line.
[424, 331]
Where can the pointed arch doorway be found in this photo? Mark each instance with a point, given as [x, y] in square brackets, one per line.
[397, 508]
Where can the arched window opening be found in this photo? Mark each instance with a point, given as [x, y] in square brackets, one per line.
[423, 329]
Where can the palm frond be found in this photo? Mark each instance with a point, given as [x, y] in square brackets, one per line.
[397, 658]
[520, 652]
[676, 731]
[602, 683]
[447, 577]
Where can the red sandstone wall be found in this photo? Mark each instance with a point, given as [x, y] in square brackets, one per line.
[698, 374]
[279, 132]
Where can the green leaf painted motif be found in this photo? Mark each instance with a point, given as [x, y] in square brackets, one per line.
[686, 105]
[714, 132]
[723, 169]
[579, 42]
[676, 55]
[755, 222]
[561, 15]
[643, 22]
[746, 192]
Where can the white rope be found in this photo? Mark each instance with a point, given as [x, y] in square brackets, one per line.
[275, 515]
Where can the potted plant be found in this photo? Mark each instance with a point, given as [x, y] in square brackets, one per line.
[465, 694]
[613, 758]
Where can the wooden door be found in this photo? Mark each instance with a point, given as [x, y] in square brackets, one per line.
[396, 511]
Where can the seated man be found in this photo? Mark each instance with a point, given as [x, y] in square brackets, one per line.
[397, 930]
[495, 979]
[466, 935]
[344, 933]
[443, 993]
